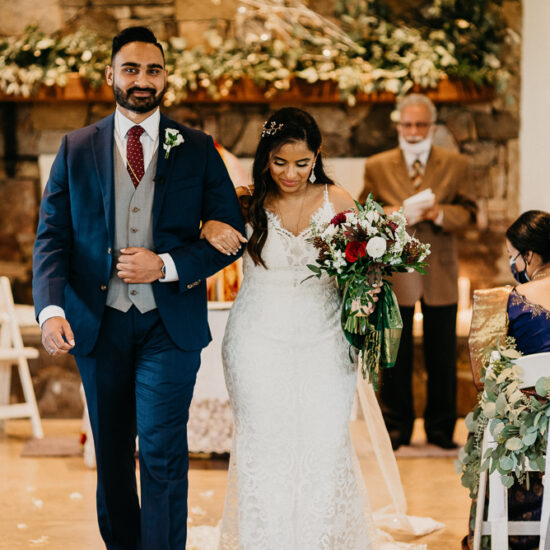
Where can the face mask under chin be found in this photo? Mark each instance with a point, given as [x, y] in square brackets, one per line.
[520, 276]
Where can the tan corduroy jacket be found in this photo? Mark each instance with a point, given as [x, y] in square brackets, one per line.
[447, 174]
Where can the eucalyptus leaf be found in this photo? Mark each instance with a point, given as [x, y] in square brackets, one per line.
[542, 386]
[507, 481]
[500, 403]
[529, 438]
[506, 463]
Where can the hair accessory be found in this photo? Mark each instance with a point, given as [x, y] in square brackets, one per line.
[272, 129]
[312, 176]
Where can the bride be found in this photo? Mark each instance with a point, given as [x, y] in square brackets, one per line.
[293, 479]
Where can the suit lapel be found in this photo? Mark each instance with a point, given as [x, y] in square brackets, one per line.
[164, 168]
[102, 150]
[402, 173]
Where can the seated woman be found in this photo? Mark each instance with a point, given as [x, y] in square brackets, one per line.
[524, 313]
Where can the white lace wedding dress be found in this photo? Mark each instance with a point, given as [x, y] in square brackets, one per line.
[292, 481]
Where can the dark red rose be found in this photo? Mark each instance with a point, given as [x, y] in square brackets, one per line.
[393, 225]
[339, 219]
[355, 250]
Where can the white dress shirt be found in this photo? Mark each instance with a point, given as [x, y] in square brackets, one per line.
[150, 142]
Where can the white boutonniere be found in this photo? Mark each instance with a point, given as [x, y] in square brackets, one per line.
[172, 138]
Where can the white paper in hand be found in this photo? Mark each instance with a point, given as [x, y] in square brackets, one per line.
[417, 204]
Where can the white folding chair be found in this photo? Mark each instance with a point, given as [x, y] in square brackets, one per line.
[12, 352]
[497, 524]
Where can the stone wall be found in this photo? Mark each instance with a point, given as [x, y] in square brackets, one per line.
[487, 133]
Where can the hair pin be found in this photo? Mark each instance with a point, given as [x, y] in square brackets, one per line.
[272, 129]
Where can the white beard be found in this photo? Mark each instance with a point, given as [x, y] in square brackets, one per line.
[416, 149]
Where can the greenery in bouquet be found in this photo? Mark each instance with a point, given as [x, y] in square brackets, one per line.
[517, 420]
[361, 249]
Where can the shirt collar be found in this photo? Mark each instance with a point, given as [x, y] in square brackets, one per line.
[150, 124]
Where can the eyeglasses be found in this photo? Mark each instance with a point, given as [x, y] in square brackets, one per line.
[417, 125]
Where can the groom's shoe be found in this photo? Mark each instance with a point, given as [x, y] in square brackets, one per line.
[443, 442]
[397, 440]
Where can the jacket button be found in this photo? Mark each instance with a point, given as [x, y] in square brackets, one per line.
[109, 251]
[103, 288]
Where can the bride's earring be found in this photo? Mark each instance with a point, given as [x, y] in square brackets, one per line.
[312, 177]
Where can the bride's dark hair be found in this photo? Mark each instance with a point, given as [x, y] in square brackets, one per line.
[285, 126]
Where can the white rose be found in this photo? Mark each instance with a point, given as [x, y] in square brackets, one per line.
[376, 247]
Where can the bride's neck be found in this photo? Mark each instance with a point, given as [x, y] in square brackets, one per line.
[281, 196]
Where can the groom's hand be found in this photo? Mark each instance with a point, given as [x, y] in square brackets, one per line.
[57, 336]
[139, 265]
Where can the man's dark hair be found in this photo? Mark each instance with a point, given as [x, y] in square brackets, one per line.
[134, 34]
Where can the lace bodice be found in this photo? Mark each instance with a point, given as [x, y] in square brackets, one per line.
[286, 255]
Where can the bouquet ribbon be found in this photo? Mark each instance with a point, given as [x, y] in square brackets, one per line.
[376, 336]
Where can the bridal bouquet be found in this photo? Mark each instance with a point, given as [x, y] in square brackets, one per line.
[360, 250]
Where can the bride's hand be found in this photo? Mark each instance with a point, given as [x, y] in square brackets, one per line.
[365, 311]
[222, 237]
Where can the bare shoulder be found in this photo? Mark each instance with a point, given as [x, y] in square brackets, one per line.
[340, 198]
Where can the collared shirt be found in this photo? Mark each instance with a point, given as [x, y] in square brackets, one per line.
[411, 157]
[149, 139]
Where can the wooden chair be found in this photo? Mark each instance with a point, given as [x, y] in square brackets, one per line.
[497, 524]
[12, 352]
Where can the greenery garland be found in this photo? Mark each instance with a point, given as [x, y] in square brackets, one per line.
[367, 50]
[517, 421]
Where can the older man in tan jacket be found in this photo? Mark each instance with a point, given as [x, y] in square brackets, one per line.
[392, 177]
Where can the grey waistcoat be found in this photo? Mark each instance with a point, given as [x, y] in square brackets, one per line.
[133, 227]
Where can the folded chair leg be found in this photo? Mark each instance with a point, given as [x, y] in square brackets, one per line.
[480, 509]
[498, 512]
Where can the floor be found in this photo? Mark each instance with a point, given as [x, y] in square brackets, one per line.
[50, 502]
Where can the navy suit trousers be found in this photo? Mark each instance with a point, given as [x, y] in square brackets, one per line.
[138, 382]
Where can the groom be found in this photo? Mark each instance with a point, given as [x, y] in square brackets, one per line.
[119, 281]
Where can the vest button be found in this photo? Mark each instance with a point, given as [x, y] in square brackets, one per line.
[134, 229]
[135, 209]
[133, 292]
[103, 288]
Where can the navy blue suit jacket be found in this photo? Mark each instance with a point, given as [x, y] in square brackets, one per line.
[72, 253]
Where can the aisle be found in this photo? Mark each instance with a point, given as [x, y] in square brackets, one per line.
[50, 502]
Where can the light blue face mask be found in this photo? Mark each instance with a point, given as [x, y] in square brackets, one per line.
[520, 276]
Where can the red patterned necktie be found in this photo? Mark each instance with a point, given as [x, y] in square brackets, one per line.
[134, 155]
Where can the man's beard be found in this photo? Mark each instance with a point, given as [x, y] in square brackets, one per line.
[418, 147]
[138, 104]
